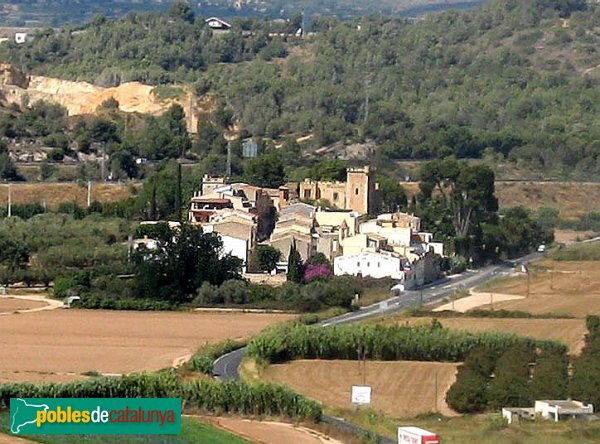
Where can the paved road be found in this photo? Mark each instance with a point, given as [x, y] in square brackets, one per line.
[226, 367]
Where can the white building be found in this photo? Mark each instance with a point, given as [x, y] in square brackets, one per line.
[235, 246]
[20, 37]
[384, 264]
[557, 410]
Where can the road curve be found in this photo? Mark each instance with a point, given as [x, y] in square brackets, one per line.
[226, 367]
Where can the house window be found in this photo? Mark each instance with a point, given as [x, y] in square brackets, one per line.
[358, 264]
[307, 194]
[368, 264]
[335, 196]
[356, 191]
[378, 264]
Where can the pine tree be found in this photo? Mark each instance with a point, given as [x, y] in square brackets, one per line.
[295, 270]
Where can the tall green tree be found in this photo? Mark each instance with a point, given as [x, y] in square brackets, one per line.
[265, 170]
[295, 271]
[467, 193]
[183, 259]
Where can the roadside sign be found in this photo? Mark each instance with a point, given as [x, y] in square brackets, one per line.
[361, 395]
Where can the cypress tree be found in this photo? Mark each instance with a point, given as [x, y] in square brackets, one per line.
[295, 271]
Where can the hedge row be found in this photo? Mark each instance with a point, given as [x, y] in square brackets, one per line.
[417, 343]
[205, 395]
[480, 313]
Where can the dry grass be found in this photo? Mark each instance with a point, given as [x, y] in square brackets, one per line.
[53, 194]
[399, 389]
[568, 331]
[570, 236]
[570, 198]
[571, 288]
[78, 341]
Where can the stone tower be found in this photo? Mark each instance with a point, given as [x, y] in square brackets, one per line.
[361, 190]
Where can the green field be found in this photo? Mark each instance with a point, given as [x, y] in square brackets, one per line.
[192, 432]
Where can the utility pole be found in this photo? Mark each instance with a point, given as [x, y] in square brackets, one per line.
[228, 173]
[9, 201]
[178, 194]
[89, 193]
[435, 400]
[102, 174]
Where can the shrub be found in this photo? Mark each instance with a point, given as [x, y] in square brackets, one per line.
[422, 343]
[208, 396]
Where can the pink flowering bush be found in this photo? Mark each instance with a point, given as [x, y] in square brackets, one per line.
[316, 271]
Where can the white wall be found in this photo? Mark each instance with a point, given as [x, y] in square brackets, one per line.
[236, 247]
[376, 265]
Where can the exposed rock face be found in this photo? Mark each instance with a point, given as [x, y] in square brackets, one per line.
[84, 98]
[10, 76]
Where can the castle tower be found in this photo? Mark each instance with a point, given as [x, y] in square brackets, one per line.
[360, 190]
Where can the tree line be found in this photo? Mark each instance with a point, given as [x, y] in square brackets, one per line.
[463, 83]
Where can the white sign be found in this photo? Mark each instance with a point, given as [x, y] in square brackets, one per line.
[361, 395]
[383, 305]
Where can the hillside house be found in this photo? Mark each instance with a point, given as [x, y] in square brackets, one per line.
[218, 26]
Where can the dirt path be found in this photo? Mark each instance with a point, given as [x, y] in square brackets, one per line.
[477, 300]
[41, 303]
[7, 439]
[270, 432]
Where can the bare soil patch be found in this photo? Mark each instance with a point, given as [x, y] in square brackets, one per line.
[9, 305]
[7, 439]
[269, 432]
[571, 288]
[399, 388]
[476, 300]
[53, 194]
[114, 342]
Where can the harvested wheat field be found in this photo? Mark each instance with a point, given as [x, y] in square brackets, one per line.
[53, 194]
[78, 341]
[571, 288]
[570, 332]
[269, 432]
[10, 305]
[399, 388]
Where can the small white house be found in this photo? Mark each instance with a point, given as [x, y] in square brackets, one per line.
[384, 264]
[557, 410]
[217, 25]
[20, 37]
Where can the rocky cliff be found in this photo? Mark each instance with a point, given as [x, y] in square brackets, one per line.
[84, 98]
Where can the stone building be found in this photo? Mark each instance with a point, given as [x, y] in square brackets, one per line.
[359, 192]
